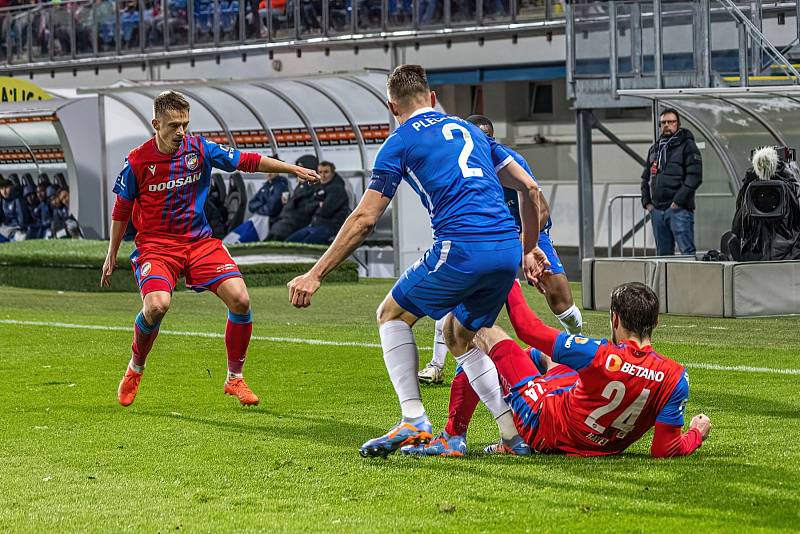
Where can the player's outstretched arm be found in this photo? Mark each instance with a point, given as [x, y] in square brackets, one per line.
[356, 228]
[514, 177]
[266, 164]
[669, 442]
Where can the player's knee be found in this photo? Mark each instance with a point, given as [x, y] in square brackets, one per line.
[486, 338]
[156, 307]
[240, 303]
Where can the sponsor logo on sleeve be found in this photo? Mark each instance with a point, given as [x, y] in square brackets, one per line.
[146, 268]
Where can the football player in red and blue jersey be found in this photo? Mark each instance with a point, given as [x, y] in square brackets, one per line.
[591, 397]
[163, 186]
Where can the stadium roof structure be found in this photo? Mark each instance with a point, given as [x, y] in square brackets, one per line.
[734, 120]
[342, 117]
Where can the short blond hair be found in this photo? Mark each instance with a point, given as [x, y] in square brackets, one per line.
[169, 101]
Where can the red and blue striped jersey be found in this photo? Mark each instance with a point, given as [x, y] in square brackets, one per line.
[621, 392]
[169, 190]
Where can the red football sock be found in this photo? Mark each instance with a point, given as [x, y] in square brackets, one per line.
[512, 363]
[143, 337]
[463, 401]
[237, 338]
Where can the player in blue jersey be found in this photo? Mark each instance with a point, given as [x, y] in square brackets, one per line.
[556, 287]
[470, 267]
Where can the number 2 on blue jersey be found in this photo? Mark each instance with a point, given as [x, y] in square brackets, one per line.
[463, 158]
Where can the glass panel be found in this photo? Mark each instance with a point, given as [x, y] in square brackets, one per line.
[61, 16]
[310, 17]
[19, 37]
[255, 19]
[496, 10]
[106, 20]
[340, 16]
[624, 36]
[153, 26]
[536, 9]
[228, 20]
[648, 37]
[592, 40]
[178, 22]
[370, 15]
[678, 38]
[431, 12]
[5, 28]
[129, 25]
[282, 15]
[84, 20]
[40, 33]
[400, 12]
[203, 21]
[462, 11]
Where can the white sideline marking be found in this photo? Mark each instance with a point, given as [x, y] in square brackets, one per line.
[302, 341]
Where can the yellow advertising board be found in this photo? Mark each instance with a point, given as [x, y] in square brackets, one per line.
[16, 90]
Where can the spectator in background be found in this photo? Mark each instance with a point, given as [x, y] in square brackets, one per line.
[333, 206]
[34, 230]
[271, 198]
[673, 173]
[42, 213]
[15, 213]
[265, 206]
[64, 224]
[302, 205]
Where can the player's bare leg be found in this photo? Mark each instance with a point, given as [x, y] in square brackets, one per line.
[145, 330]
[484, 379]
[559, 298]
[238, 330]
[402, 362]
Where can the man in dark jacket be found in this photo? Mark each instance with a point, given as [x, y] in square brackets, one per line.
[15, 213]
[673, 173]
[333, 208]
[297, 213]
[270, 199]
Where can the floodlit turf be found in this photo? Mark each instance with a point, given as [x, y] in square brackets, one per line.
[186, 457]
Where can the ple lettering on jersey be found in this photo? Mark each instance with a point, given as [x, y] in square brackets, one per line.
[448, 162]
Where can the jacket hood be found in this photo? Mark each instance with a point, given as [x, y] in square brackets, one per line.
[681, 135]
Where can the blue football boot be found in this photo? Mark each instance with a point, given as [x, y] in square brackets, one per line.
[400, 435]
[513, 447]
[442, 445]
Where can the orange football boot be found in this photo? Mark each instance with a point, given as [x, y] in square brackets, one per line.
[238, 388]
[129, 387]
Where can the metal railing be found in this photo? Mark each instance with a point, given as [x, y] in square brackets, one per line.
[107, 28]
[639, 220]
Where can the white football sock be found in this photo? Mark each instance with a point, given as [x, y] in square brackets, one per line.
[402, 361]
[137, 368]
[483, 378]
[439, 346]
[571, 320]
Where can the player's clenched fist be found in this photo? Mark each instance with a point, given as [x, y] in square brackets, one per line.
[301, 289]
[702, 423]
[309, 175]
[108, 267]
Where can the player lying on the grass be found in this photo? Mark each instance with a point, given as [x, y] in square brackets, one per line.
[164, 184]
[556, 286]
[591, 397]
[471, 265]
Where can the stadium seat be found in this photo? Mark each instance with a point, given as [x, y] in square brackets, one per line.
[235, 201]
[43, 179]
[14, 177]
[218, 182]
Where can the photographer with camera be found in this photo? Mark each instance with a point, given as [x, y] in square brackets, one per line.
[673, 173]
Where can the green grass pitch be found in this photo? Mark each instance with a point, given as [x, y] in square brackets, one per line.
[186, 457]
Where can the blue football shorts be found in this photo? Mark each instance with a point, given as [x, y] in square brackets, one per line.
[471, 279]
[546, 244]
